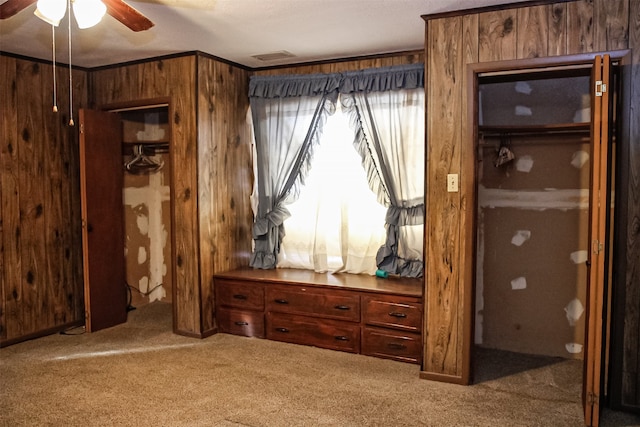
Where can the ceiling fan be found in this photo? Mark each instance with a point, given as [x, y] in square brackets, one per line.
[116, 8]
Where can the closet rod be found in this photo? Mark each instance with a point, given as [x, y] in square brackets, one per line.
[534, 133]
[513, 138]
[535, 129]
[497, 144]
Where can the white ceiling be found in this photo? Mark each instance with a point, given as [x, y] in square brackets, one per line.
[235, 30]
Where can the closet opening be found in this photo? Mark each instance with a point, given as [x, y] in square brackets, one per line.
[147, 210]
[545, 147]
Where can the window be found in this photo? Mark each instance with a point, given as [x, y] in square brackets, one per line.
[336, 224]
[353, 180]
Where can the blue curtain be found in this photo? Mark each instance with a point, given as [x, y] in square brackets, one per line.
[288, 114]
[386, 109]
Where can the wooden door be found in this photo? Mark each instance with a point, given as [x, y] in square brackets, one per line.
[598, 237]
[101, 181]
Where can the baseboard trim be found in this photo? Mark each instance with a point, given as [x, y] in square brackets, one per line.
[42, 333]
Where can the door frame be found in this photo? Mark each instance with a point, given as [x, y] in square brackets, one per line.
[470, 163]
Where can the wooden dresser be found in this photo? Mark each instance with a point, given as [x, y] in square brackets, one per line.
[354, 313]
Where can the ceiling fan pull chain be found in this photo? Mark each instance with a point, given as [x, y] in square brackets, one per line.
[70, 71]
[55, 89]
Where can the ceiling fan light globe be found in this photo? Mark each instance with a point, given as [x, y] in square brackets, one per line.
[51, 11]
[88, 12]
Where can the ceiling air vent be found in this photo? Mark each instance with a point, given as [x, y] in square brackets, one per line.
[274, 56]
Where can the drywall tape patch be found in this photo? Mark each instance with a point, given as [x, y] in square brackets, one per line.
[520, 237]
[519, 284]
[143, 284]
[143, 224]
[523, 87]
[574, 311]
[579, 159]
[142, 254]
[521, 110]
[573, 348]
[524, 164]
[579, 257]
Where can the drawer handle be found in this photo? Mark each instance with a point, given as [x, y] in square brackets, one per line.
[396, 346]
[283, 330]
[398, 315]
[281, 301]
[341, 338]
[342, 307]
[240, 296]
[242, 324]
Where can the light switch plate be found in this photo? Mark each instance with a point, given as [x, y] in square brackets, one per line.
[452, 183]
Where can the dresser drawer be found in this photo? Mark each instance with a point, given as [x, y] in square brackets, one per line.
[245, 295]
[313, 302]
[241, 322]
[392, 312]
[325, 333]
[389, 344]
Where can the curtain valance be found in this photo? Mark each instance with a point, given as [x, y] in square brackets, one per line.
[293, 85]
[369, 80]
[383, 79]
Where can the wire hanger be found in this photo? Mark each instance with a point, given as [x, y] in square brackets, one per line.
[141, 163]
[504, 153]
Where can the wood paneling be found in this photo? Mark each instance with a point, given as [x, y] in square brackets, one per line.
[580, 26]
[558, 30]
[224, 173]
[497, 35]
[11, 252]
[533, 32]
[41, 274]
[174, 79]
[211, 169]
[353, 65]
[611, 25]
[31, 202]
[630, 375]
[211, 179]
[563, 28]
[443, 293]
[468, 165]
[4, 94]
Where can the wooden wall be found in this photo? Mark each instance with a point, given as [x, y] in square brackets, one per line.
[40, 251]
[211, 180]
[452, 42]
[175, 79]
[208, 139]
[627, 365]
[225, 174]
[348, 65]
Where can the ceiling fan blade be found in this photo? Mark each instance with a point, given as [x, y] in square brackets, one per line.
[127, 15]
[11, 7]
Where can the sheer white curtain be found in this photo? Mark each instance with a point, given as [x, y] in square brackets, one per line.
[340, 192]
[336, 224]
[386, 110]
[397, 120]
[288, 115]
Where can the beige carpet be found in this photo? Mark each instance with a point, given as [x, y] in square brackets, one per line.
[140, 374]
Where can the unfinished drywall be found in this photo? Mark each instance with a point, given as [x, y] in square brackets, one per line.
[532, 247]
[147, 205]
[533, 212]
[147, 240]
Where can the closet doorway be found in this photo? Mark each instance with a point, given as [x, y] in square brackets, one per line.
[545, 141]
[147, 203]
[127, 210]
